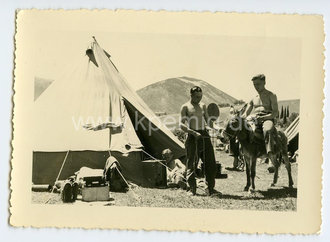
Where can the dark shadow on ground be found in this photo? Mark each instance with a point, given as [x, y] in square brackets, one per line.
[272, 193]
[280, 193]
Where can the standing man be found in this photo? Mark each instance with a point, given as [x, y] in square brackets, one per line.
[265, 109]
[194, 120]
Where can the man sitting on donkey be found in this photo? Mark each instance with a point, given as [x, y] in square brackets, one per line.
[265, 109]
[257, 134]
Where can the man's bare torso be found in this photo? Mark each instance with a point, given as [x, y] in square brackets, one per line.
[262, 103]
[194, 115]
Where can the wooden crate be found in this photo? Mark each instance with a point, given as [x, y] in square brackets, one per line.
[154, 173]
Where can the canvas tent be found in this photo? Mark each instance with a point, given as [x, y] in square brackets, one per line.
[292, 133]
[95, 93]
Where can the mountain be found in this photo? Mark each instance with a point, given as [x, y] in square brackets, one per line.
[294, 105]
[168, 95]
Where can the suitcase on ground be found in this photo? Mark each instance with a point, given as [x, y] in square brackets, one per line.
[95, 193]
[95, 189]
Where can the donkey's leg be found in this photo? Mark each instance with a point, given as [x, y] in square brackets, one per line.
[276, 163]
[248, 172]
[275, 178]
[288, 168]
[253, 171]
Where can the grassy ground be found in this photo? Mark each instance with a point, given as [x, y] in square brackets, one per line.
[279, 198]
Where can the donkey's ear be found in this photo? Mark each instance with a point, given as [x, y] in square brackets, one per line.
[242, 110]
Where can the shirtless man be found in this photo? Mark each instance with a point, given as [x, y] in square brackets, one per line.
[198, 144]
[175, 170]
[265, 110]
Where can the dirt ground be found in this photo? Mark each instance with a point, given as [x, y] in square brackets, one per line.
[279, 198]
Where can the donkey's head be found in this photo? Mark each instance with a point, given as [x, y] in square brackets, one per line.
[233, 127]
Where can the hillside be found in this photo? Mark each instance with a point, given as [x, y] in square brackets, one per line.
[168, 95]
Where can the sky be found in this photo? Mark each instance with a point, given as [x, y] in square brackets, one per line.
[56, 47]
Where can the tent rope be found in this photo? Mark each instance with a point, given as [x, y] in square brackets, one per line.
[127, 183]
[180, 175]
[58, 176]
[122, 176]
[162, 164]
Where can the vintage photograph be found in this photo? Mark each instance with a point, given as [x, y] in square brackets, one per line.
[124, 115]
[177, 142]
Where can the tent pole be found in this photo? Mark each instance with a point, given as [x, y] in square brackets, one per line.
[109, 138]
[110, 114]
[58, 176]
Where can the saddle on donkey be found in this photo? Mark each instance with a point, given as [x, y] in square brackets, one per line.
[267, 138]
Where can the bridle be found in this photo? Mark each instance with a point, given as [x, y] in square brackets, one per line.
[231, 136]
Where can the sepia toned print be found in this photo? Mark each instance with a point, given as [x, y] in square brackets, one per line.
[192, 116]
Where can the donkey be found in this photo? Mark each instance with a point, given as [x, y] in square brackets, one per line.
[253, 146]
